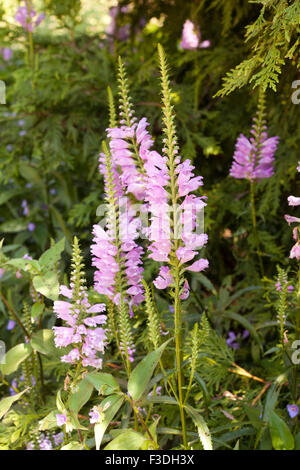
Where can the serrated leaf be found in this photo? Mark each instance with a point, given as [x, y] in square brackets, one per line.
[203, 431]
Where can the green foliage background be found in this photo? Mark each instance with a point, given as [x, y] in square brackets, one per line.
[62, 97]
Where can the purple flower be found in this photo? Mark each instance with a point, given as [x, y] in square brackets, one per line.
[94, 415]
[2, 271]
[31, 226]
[58, 438]
[231, 340]
[61, 419]
[10, 325]
[7, 54]
[27, 17]
[25, 207]
[293, 410]
[45, 443]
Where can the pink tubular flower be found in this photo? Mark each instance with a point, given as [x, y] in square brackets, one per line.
[295, 252]
[26, 16]
[290, 219]
[185, 291]
[294, 201]
[72, 357]
[199, 265]
[164, 279]
[191, 37]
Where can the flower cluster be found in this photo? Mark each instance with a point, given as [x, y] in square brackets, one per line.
[116, 245]
[254, 158]
[191, 37]
[294, 201]
[27, 16]
[82, 330]
[46, 441]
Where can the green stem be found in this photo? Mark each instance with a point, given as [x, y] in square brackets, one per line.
[254, 224]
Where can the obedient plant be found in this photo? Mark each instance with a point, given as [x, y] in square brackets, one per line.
[253, 160]
[166, 184]
[82, 331]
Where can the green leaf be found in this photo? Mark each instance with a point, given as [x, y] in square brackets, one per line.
[49, 422]
[205, 392]
[282, 438]
[24, 264]
[104, 383]
[115, 402]
[14, 226]
[14, 357]
[142, 373]
[129, 440]
[163, 399]
[80, 396]
[6, 403]
[31, 174]
[52, 256]
[297, 441]
[36, 310]
[43, 342]
[73, 445]
[201, 425]
[47, 285]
